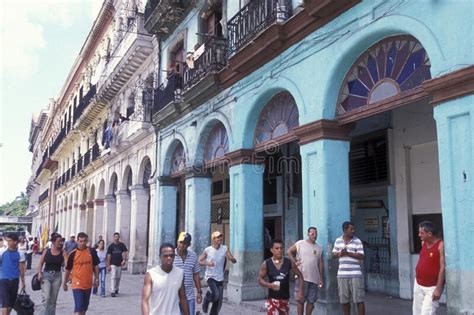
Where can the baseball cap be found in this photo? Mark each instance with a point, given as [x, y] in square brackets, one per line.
[184, 237]
[216, 234]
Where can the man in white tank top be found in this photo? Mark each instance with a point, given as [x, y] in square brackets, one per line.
[214, 257]
[163, 285]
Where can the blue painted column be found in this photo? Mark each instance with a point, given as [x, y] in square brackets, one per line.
[455, 128]
[246, 228]
[326, 205]
[165, 231]
[198, 210]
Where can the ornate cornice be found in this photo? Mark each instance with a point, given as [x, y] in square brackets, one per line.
[450, 86]
[322, 129]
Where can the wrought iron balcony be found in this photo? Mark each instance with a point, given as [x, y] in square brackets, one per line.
[163, 16]
[95, 152]
[84, 103]
[73, 170]
[171, 92]
[43, 196]
[86, 159]
[253, 18]
[79, 164]
[212, 60]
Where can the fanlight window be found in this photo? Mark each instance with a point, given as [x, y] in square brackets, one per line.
[179, 159]
[278, 117]
[217, 144]
[392, 66]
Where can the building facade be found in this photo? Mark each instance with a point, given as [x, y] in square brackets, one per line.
[94, 158]
[273, 116]
[269, 116]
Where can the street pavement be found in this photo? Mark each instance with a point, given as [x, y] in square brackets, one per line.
[129, 299]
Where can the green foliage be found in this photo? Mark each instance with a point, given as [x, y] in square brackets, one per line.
[17, 207]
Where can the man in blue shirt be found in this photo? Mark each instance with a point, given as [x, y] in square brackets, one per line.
[12, 268]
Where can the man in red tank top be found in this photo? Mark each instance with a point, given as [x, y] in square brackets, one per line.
[429, 281]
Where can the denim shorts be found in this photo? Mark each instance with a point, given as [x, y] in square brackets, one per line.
[81, 299]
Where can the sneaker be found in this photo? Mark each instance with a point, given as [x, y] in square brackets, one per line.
[102, 295]
[116, 292]
[112, 294]
[205, 305]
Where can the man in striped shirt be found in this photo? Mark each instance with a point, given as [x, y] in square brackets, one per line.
[350, 281]
[187, 260]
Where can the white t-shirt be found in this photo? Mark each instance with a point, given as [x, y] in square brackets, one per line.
[217, 256]
[164, 299]
[308, 256]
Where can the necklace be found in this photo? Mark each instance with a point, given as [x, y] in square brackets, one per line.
[276, 261]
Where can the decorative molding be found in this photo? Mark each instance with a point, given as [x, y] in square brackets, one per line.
[242, 156]
[414, 95]
[322, 129]
[82, 206]
[90, 204]
[450, 86]
[167, 181]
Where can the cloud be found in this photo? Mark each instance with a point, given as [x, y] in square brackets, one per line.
[22, 25]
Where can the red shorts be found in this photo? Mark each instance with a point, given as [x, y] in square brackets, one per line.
[276, 307]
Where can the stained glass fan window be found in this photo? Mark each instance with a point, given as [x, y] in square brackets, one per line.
[217, 143]
[392, 66]
[278, 117]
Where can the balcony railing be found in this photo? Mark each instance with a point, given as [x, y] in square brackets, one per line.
[169, 93]
[79, 164]
[253, 18]
[212, 60]
[95, 152]
[84, 103]
[43, 196]
[86, 159]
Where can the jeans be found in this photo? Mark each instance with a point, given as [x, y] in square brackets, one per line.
[191, 307]
[215, 295]
[50, 285]
[423, 303]
[115, 275]
[102, 273]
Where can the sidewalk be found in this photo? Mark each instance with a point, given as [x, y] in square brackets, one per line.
[129, 299]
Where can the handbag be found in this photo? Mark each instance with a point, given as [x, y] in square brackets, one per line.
[24, 305]
[35, 283]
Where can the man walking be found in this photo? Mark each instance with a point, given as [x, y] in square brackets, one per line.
[117, 255]
[163, 290]
[307, 256]
[350, 252]
[187, 260]
[70, 244]
[213, 257]
[82, 267]
[429, 281]
[277, 269]
[29, 253]
[12, 269]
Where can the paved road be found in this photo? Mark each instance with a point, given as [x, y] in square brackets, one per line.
[128, 302]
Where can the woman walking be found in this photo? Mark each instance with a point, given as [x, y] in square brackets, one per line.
[53, 259]
[102, 253]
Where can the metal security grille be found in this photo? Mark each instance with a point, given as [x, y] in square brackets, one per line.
[220, 210]
[368, 161]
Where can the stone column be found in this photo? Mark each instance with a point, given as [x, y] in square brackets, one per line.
[90, 219]
[138, 229]
[153, 223]
[324, 149]
[246, 227]
[122, 219]
[82, 223]
[98, 219]
[198, 210]
[455, 125]
[70, 213]
[109, 218]
[166, 215]
[74, 216]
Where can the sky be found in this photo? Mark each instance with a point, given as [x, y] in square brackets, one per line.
[39, 42]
